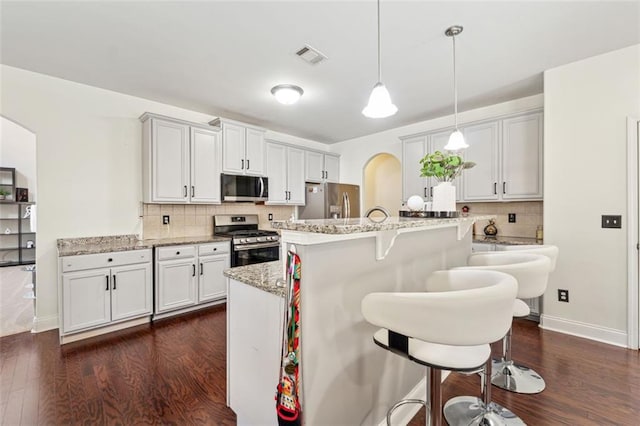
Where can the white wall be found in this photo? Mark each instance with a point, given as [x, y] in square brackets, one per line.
[89, 163]
[18, 150]
[355, 153]
[586, 105]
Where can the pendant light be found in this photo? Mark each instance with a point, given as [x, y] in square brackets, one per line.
[456, 140]
[380, 105]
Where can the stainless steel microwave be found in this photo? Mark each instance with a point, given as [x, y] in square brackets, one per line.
[243, 188]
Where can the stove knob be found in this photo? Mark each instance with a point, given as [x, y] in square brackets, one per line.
[261, 239]
[242, 240]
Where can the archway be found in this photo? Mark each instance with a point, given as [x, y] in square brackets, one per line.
[383, 183]
[17, 228]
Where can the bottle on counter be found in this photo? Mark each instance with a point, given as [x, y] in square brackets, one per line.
[539, 233]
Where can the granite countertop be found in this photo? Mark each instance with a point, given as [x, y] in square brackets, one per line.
[262, 276]
[363, 224]
[511, 241]
[93, 245]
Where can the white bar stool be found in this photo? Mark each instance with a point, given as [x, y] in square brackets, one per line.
[531, 271]
[448, 327]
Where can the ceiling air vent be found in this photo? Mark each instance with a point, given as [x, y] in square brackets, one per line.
[311, 55]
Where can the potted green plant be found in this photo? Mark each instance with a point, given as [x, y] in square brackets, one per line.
[444, 167]
[4, 193]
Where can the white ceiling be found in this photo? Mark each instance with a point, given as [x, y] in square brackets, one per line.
[222, 58]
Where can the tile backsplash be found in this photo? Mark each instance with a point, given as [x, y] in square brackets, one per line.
[528, 217]
[192, 220]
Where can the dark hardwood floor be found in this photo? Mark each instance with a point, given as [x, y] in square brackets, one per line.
[173, 372]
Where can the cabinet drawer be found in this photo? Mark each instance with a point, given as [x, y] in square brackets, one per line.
[101, 260]
[176, 252]
[215, 248]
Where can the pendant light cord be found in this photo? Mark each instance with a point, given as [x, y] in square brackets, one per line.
[379, 65]
[455, 85]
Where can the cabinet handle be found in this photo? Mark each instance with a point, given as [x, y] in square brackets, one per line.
[193, 191]
[185, 191]
[194, 270]
[242, 166]
[109, 260]
[215, 248]
[504, 187]
[431, 191]
[177, 253]
[248, 164]
[425, 192]
[200, 268]
[114, 281]
[326, 174]
[107, 277]
[495, 188]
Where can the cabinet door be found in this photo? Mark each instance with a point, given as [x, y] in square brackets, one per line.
[314, 166]
[295, 176]
[522, 157]
[130, 291]
[176, 284]
[205, 166]
[254, 153]
[233, 143]
[481, 182]
[277, 173]
[331, 168]
[170, 157]
[212, 282]
[412, 184]
[437, 142]
[86, 299]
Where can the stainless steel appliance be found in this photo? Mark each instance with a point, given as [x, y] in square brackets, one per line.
[244, 188]
[330, 201]
[249, 244]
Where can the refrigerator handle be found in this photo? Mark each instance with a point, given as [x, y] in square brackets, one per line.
[346, 205]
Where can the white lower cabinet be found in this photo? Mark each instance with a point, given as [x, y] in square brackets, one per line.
[101, 290]
[189, 276]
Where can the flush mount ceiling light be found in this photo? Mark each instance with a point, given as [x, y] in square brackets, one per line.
[287, 94]
[380, 105]
[456, 140]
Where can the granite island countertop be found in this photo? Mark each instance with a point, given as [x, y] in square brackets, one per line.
[363, 224]
[115, 243]
[262, 276]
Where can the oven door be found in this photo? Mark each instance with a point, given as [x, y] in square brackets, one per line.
[244, 255]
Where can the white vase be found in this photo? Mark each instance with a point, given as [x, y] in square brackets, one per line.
[444, 197]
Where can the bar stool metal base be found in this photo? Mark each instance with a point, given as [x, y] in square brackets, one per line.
[469, 410]
[401, 403]
[516, 378]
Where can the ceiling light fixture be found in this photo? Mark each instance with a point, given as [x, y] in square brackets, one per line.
[456, 140]
[380, 105]
[287, 94]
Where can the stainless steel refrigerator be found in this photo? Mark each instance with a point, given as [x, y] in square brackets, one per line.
[330, 201]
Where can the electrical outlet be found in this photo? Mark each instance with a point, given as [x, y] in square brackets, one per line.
[563, 295]
[512, 218]
[270, 216]
[609, 221]
[165, 219]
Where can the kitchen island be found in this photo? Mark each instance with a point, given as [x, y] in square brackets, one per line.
[346, 378]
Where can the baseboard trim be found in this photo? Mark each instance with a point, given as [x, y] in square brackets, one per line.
[404, 414]
[47, 323]
[583, 329]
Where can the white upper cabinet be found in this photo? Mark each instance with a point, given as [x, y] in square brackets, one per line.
[522, 157]
[181, 161]
[481, 182]
[205, 166]
[321, 167]
[242, 148]
[413, 149]
[507, 153]
[285, 170]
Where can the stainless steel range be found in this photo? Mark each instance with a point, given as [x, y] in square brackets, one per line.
[248, 243]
